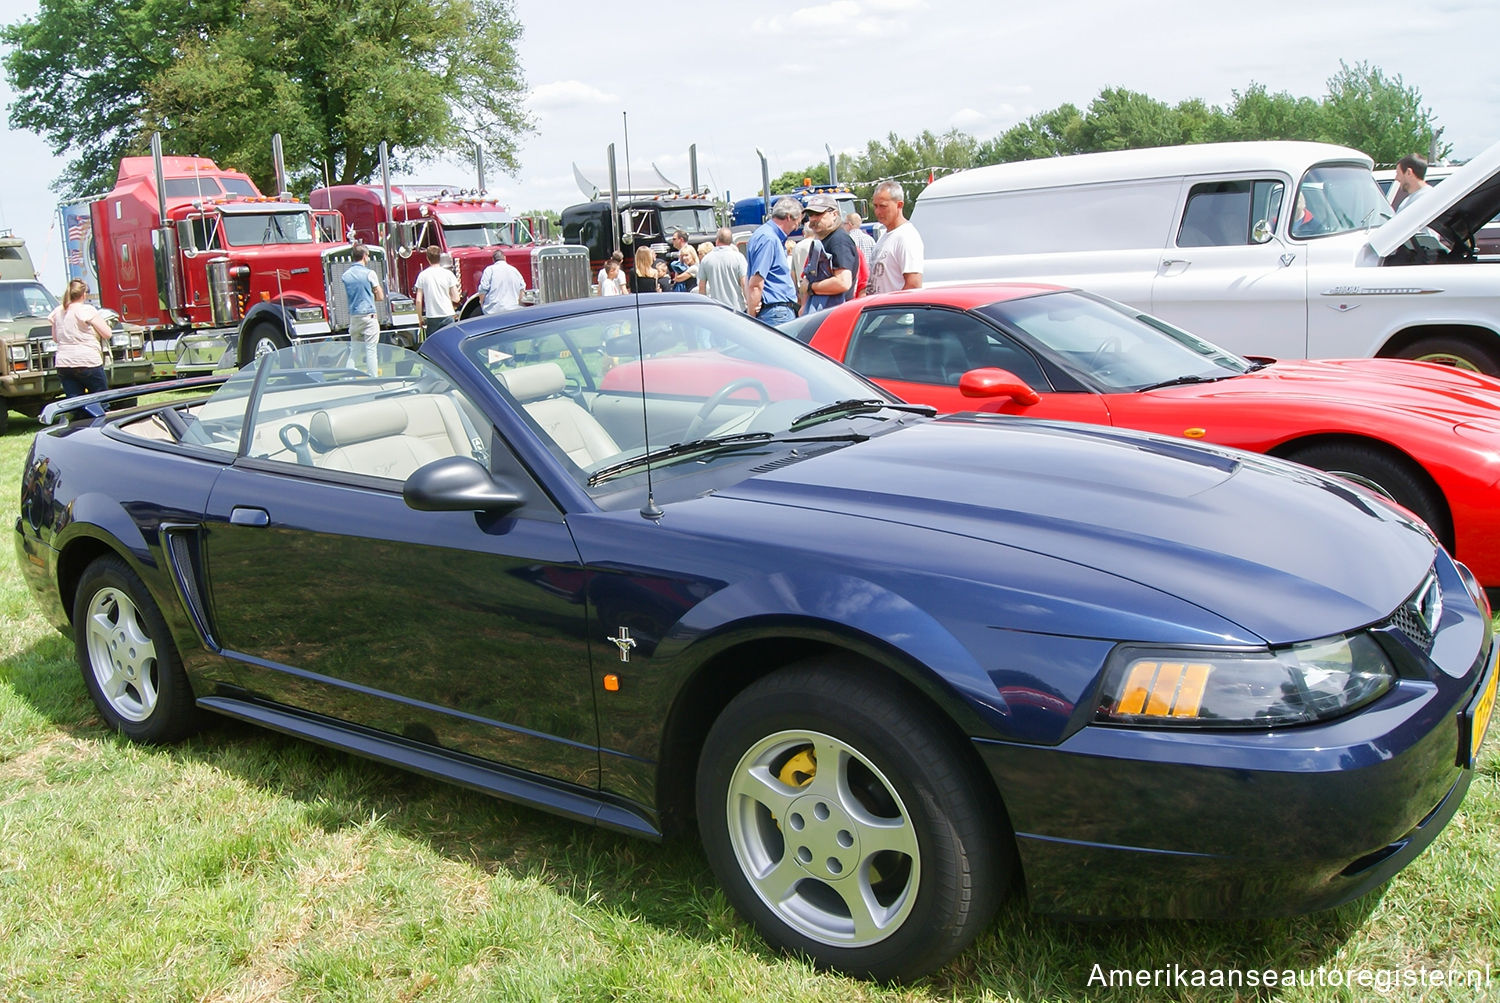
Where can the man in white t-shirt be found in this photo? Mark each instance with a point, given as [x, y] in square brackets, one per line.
[899, 256]
[501, 285]
[437, 293]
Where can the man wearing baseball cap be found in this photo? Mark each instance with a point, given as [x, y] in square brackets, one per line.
[832, 265]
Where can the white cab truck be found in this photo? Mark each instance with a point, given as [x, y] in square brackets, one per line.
[1280, 249]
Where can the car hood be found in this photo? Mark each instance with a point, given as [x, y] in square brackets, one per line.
[1432, 393]
[1467, 200]
[1280, 550]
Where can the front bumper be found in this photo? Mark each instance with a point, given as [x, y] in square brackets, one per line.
[1128, 822]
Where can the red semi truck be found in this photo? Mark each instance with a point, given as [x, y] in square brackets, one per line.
[467, 226]
[194, 254]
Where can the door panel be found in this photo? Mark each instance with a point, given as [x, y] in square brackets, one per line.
[445, 627]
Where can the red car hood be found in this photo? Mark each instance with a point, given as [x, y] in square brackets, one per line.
[1436, 392]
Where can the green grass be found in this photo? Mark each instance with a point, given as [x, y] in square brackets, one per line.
[245, 866]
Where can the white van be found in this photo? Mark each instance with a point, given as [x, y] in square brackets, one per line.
[1277, 249]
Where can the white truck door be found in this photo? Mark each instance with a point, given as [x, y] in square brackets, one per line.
[1228, 274]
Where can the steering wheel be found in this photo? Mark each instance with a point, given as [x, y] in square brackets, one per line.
[297, 444]
[695, 427]
[1107, 347]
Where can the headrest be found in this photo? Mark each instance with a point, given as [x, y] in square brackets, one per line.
[356, 423]
[529, 383]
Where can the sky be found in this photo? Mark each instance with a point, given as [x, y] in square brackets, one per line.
[792, 77]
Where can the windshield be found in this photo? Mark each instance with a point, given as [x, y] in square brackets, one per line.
[693, 219]
[486, 234]
[24, 300]
[708, 373]
[1337, 199]
[249, 230]
[1112, 346]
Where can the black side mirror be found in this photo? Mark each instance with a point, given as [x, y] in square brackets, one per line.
[458, 484]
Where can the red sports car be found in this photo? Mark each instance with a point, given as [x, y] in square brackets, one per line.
[1426, 435]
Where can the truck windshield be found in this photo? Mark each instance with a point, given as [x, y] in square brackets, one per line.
[24, 299]
[1337, 199]
[486, 234]
[693, 219]
[243, 230]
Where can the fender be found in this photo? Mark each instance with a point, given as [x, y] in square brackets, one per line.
[847, 612]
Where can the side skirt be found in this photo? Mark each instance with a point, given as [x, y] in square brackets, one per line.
[465, 771]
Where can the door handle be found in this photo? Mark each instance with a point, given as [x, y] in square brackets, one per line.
[242, 516]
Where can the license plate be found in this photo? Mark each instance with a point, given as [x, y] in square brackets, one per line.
[1484, 709]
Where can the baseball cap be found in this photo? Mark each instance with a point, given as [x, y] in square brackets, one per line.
[820, 203]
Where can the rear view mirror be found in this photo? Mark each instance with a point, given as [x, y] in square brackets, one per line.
[1261, 232]
[997, 383]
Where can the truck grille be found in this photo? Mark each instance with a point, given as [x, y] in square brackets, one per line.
[561, 272]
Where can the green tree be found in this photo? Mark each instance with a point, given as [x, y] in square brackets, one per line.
[1378, 115]
[334, 77]
[1120, 119]
[908, 161]
[815, 174]
[1258, 114]
[1052, 133]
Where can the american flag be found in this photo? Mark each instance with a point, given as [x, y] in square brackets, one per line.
[77, 232]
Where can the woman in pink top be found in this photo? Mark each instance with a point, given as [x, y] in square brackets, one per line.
[80, 331]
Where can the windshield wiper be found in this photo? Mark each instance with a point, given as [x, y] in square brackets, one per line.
[723, 443]
[844, 408]
[1178, 381]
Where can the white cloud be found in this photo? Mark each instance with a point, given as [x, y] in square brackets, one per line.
[843, 18]
[569, 94]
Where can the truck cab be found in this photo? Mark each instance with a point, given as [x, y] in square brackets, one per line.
[195, 254]
[643, 221]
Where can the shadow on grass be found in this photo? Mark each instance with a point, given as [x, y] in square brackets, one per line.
[670, 886]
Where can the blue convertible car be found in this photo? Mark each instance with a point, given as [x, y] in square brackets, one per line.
[645, 563]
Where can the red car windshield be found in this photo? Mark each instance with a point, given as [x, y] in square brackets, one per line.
[1110, 345]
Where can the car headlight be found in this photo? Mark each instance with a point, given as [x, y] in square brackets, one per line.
[1299, 684]
[120, 339]
[18, 353]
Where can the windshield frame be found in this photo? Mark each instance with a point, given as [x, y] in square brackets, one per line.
[693, 352]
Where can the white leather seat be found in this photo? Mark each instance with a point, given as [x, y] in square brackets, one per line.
[370, 438]
[539, 389]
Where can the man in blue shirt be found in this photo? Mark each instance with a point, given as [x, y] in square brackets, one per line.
[362, 287]
[770, 293]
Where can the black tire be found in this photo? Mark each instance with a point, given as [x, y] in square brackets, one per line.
[1450, 351]
[887, 868]
[262, 339]
[4, 418]
[128, 660]
[1393, 476]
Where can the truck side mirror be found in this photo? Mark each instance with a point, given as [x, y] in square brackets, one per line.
[1261, 232]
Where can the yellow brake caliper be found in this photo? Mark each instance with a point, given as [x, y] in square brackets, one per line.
[799, 770]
